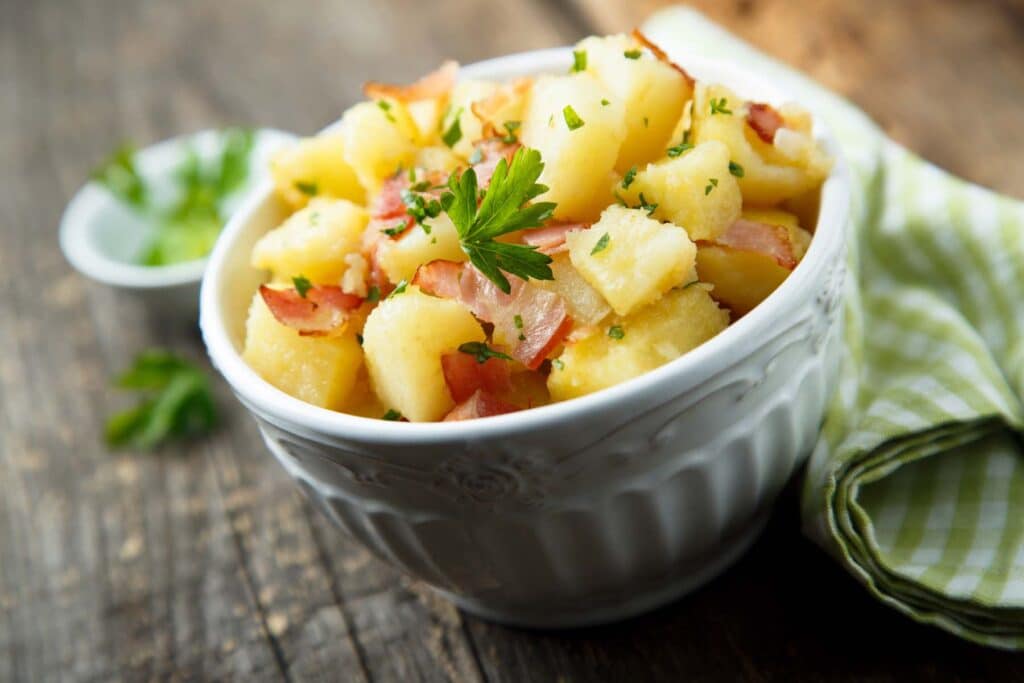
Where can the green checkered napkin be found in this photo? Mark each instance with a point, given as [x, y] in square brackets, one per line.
[917, 482]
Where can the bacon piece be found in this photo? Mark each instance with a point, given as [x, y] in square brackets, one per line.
[388, 202]
[324, 310]
[544, 316]
[435, 84]
[764, 120]
[551, 238]
[660, 54]
[464, 375]
[480, 404]
[772, 240]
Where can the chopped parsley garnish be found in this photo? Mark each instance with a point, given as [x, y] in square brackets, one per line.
[627, 179]
[691, 283]
[504, 208]
[510, 132]
[616, 332]
[518, 320]
[392, 415]
[385, 107]
[736, 169]
[602, 244]
[302, 285]
[373, 294]
[679, 149]
[482, 352]
[412, 174]
[419, 208]
[359, 338]
[604, 102]
[309, 189]
[397, 230]
[421, 186]
[119, 175]
[632, 54]
[712, 184]
[558, 364]
[399, 289]
[476, 157]
[176, 402]
[649, 208]
[579, 61]
[572, 119]
[720, 106]
[454, 132]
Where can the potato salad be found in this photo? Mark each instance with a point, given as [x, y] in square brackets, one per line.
[461, 248]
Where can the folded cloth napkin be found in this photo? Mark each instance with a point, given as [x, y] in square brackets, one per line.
[917, 483]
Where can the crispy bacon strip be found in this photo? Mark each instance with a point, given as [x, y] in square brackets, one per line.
[764, 120]
[543, 315]
[772, 240]
[435, 84]
[324, 310]
[464, 375]
[660, 54]
[551, 238]
[480, 404]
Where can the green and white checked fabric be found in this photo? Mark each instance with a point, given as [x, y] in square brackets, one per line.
[917, 482]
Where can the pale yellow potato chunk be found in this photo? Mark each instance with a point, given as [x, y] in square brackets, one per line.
[642, 260]
[404, 339]
[318, 370]
[586, 305]
[653, 94]
[679, 321]
[578, 163]
[313, 242]
[315, 167]
[400, 258]
[438, 158]
[461, 108]
[695, 190]
[378, 137]
[770, 175]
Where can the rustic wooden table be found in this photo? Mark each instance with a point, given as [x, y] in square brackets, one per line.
[204, 562]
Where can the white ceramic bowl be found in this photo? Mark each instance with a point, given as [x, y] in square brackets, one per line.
[101, 237]
[579, 512]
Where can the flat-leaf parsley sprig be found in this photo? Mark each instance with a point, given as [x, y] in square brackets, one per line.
[504, 209]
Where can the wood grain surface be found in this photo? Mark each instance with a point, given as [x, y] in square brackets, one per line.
[202, 562]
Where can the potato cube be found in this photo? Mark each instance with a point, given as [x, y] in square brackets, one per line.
[694, 190]
[461, 109]
[770, 174]
[318, 370]
[578, 161]
[652, 92]
[404, 339]
[400, 258]
[315, 167]
[379, 137]
[741, 279]
[640, 261]
[628, 347]
[586, 305]
[313, 242]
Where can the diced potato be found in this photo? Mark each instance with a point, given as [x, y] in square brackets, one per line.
[586, 305]
[427, 114]
[315, 167]
[578, 163]
[741, 279]
[400, 258]
[463, 95]
[362, 401]
[318, 370]
[438, 158]
[313, 242]
[404, 339]
[769, 175]
[641, 261]
[805, 207]
[799, 238]
[656, 334]
[694, 190]
[378, 138]
[652, 92]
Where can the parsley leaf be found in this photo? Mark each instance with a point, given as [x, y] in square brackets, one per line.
[385, 107]
[454, 132]
[579, 61]
[719, 106]
[649, 208]
[632, 54]
[419, 208]
[679, 149]
[736, 169]
[395, 231]
[119, 175]
[616, 332]
[712, 184]
[572, 119]
[510, 132]
[627, 179]
[504, 209]
[177, 402]
[482, 352]
[601, 245]
[307, 188]
[392, 415]
[604, 102]
[302, 285]
[398, 289]
[373, 295]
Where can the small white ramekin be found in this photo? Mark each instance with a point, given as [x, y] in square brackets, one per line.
[579, 512]
[101, 237]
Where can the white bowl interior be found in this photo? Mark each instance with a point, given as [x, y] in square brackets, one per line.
[229, 285]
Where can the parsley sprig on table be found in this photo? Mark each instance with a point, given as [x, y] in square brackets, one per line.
[177, 402]
[505, 208]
